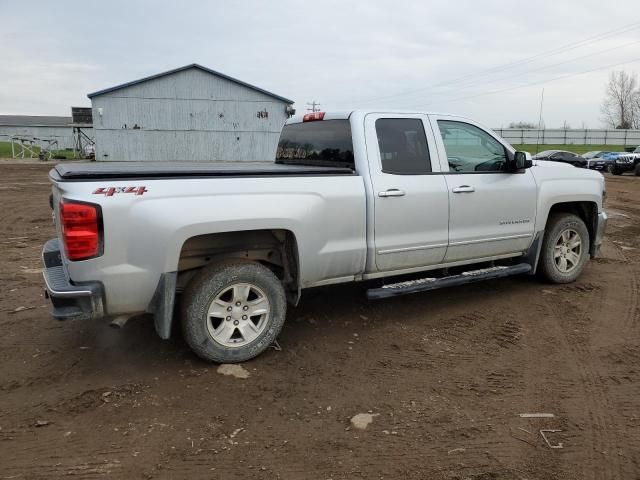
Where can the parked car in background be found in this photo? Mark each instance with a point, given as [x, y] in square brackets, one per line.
[561, 156]
[599, 160]
[627, 162]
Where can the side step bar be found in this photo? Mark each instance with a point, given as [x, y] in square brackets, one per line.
[424, 284]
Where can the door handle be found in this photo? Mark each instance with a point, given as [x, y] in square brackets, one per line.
[463, 189]
[392, 192]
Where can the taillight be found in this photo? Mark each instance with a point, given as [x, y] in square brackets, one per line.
[312, 117]
[81, 229]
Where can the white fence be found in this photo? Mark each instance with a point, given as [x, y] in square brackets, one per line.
[519, 136]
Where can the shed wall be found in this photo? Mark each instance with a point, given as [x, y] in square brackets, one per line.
[189, 115]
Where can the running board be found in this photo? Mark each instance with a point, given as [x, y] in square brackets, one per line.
[424, 284]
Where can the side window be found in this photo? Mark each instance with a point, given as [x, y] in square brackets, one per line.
[471, 149]
[403, 146]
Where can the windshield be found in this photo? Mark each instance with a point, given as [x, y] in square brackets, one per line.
[545, 153]
[320, 143]
[590, 154]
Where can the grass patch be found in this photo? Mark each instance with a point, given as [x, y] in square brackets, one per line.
[579, 149]
[5, 151]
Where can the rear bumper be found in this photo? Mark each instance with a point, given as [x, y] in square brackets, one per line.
[69, 301]
[601, 226]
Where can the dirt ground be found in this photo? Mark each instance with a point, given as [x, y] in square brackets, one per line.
[445, 374]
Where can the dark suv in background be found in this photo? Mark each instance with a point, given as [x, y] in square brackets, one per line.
[561, 156]
[627, 162]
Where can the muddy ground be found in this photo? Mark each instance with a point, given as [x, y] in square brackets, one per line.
[445, 375]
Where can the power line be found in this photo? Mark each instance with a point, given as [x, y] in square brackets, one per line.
[571, 60]
[540, 82]
[519, 74]
[564, 48]
[555, 51]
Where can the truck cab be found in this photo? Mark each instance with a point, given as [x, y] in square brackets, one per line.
[441, 189]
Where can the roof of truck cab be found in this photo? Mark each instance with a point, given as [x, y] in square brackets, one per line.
[345, 114]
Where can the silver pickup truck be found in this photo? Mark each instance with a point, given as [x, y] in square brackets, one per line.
[362, 195]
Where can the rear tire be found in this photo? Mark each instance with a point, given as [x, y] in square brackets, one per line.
[233, 311]
[565, 248]
[616, 171]
[637, 169]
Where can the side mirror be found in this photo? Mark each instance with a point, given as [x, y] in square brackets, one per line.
[521, 160]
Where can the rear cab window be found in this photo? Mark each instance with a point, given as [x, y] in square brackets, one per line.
[317, 143]
[403, 146]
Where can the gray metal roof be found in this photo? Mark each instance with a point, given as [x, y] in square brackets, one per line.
[186, 67]
[34, 121]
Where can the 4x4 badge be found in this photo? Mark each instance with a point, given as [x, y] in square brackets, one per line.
[111, 191]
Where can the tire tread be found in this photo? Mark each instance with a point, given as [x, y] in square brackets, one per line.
[207, 283]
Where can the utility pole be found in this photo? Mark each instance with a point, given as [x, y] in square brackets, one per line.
[540, 121]
[315, 107]
[541, 103]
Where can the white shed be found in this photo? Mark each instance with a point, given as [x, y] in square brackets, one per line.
[190, 113]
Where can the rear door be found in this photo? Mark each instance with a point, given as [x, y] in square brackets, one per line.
[491, 211]
[411, 206]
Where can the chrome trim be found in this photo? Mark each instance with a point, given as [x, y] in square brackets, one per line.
[68, 301]
[64, 293]
[392, 192]
[411, 249]
[495, 239]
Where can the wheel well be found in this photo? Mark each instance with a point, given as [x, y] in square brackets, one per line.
[587, 211]
[276, 249]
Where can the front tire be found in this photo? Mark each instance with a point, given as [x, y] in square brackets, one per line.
[233, 311]
[565, 248]
[637, 169]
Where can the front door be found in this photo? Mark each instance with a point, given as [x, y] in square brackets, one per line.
[411, 206]
[491, 211]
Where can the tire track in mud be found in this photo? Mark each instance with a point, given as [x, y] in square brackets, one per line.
[584, 336]
[51, 452]
[466, 411]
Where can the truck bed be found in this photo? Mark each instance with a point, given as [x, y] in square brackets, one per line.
[146, 170]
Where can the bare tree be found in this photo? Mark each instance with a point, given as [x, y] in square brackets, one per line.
[621, 102]
[636, 106]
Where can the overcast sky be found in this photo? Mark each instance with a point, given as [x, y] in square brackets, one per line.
[467, 57]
